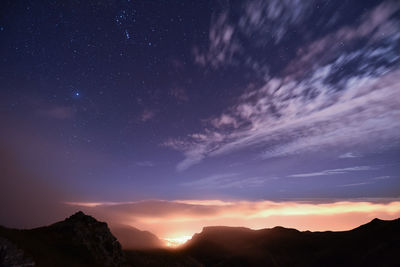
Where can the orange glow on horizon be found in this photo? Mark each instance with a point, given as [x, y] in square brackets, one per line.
[174, 242]
[179, 220]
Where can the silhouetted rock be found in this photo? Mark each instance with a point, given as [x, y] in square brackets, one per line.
[11, 256]
[95, 236]
[376, 243]
[79, 240]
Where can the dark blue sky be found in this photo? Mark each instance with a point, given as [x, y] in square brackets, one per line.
[132, 100]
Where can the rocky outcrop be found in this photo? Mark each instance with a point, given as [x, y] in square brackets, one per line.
[79, 240]
[11, 256]
[95, 236]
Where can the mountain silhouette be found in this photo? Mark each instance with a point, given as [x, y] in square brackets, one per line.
[132, 238]
[376, 243]
[81, 240]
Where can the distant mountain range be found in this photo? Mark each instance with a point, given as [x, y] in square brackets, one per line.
[132, 238]
[81, 240]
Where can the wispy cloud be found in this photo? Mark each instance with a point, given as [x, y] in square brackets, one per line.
[355, 184]
[179, 93]
[349, 155]
[334, 171]
[229, 180]
[263, 22]
[145, 163]
[382, 177]
[57, 112]
[335, 92]
[147, 115]
[222, 44]
[93, 204]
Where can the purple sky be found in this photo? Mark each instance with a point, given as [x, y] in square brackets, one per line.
[119, 101]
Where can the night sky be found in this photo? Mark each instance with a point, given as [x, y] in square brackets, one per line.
[123, 102]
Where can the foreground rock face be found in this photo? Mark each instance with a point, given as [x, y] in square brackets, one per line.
[11, 256]
[93, 235]
[79, 240]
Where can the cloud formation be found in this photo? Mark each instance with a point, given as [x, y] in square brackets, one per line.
[334, 171]
[340, 89]
[57, 112]
[228, 180]
[145, 163]
[179, 93]
[349, 155]
[262, 22]
[356, 184]
[147, 115]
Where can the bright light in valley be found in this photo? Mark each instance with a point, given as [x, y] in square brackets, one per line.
[176, 241]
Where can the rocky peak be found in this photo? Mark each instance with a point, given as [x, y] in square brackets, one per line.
[80, 216]
[94, 235]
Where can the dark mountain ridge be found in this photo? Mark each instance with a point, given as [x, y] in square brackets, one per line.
[81, 240]
[374, 244]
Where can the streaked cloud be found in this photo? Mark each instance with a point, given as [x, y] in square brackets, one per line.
[355, 184]
[147, 115]
[334, 171]
[57, 112]
[313, 103]
[349, 155]
[263, 22]
[179, 93]
[229, 180]
[145, 163]
[93, 204]
[384, 177]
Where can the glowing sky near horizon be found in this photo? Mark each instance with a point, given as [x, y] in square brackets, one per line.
[243, 112]
[176, 221]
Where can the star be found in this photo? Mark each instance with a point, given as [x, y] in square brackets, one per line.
[127, 35]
